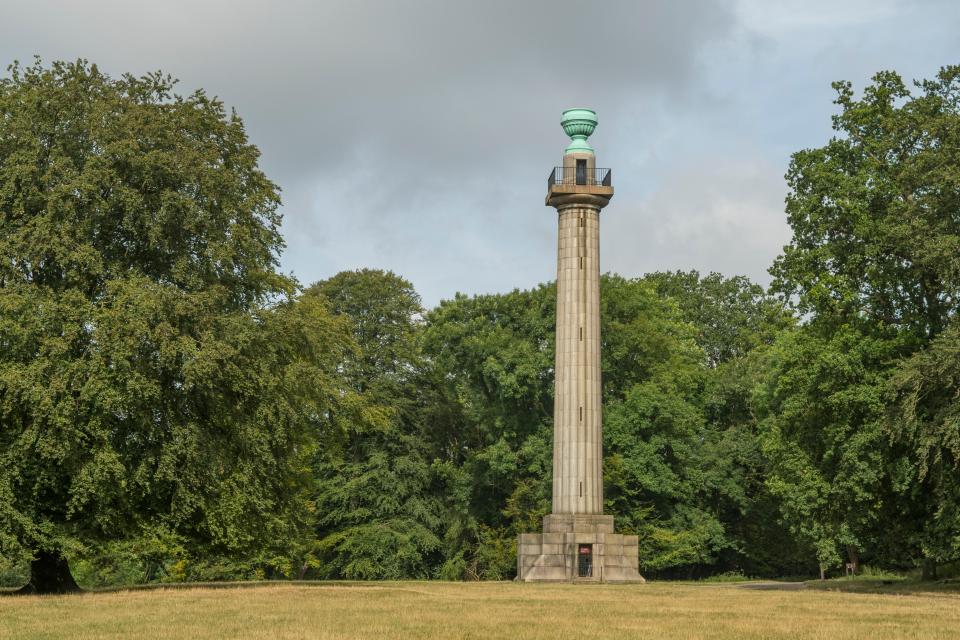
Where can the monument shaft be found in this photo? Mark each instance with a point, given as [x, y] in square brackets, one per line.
[577, 436]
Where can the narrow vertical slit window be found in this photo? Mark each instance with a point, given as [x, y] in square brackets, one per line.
[581, 334]
[581, 262]
[581, 489]
[581, 414]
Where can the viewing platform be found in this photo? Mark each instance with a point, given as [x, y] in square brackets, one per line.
[578, 179]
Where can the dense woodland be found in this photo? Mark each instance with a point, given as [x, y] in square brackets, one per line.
[174, 408]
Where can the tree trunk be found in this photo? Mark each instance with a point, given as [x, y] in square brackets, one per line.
[854, 556]
[929, 571]
[823, 571]
[50, 573]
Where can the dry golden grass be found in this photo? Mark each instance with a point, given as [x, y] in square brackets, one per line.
[413, 610]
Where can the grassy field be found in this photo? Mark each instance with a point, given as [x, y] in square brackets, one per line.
[482, 610]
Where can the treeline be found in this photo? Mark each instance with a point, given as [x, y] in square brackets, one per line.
[174, 408]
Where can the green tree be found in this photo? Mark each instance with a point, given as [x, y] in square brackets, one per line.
[735, 322]
[732, 316]
[379, 498]
[822, 432]
[872, 212]
[493, 357]
[656, 474]
[924, 416]
[153, 375]
[873, 264]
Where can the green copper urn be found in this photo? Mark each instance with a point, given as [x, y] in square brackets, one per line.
[579, 124]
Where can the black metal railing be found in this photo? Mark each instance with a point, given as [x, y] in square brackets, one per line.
[579, 175]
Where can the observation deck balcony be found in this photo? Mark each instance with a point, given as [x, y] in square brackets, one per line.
[573, 180]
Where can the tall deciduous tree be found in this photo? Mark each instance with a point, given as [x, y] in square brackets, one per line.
[494, 355]
[151, 372]
[735, 322]
[924, 417]
[874, 265]
[379, 499]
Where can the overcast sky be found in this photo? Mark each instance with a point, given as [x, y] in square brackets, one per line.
[417, 136]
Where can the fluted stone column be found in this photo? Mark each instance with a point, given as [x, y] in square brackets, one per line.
[577, 436]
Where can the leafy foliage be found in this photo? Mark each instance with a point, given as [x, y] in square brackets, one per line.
[874, 264]
[378, 500]
[153, 371]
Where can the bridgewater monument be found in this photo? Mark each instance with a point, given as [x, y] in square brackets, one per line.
[578, 542]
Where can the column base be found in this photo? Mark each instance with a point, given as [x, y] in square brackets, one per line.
[578, 548]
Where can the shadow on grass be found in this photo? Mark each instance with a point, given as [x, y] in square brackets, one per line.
[160, 586]
[774, 586]
[892, 586]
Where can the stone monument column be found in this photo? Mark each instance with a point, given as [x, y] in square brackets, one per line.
[578, 543]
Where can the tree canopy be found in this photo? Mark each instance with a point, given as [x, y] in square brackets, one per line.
[874, 265]
[154, 372]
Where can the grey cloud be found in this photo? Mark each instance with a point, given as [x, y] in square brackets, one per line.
[408, 135]
[417, 135]
[444, 80]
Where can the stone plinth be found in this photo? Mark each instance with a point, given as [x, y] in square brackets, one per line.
[552, 556]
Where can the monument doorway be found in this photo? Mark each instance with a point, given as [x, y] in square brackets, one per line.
[585, 561]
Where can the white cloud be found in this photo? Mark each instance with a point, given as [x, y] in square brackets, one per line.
[721, 215]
